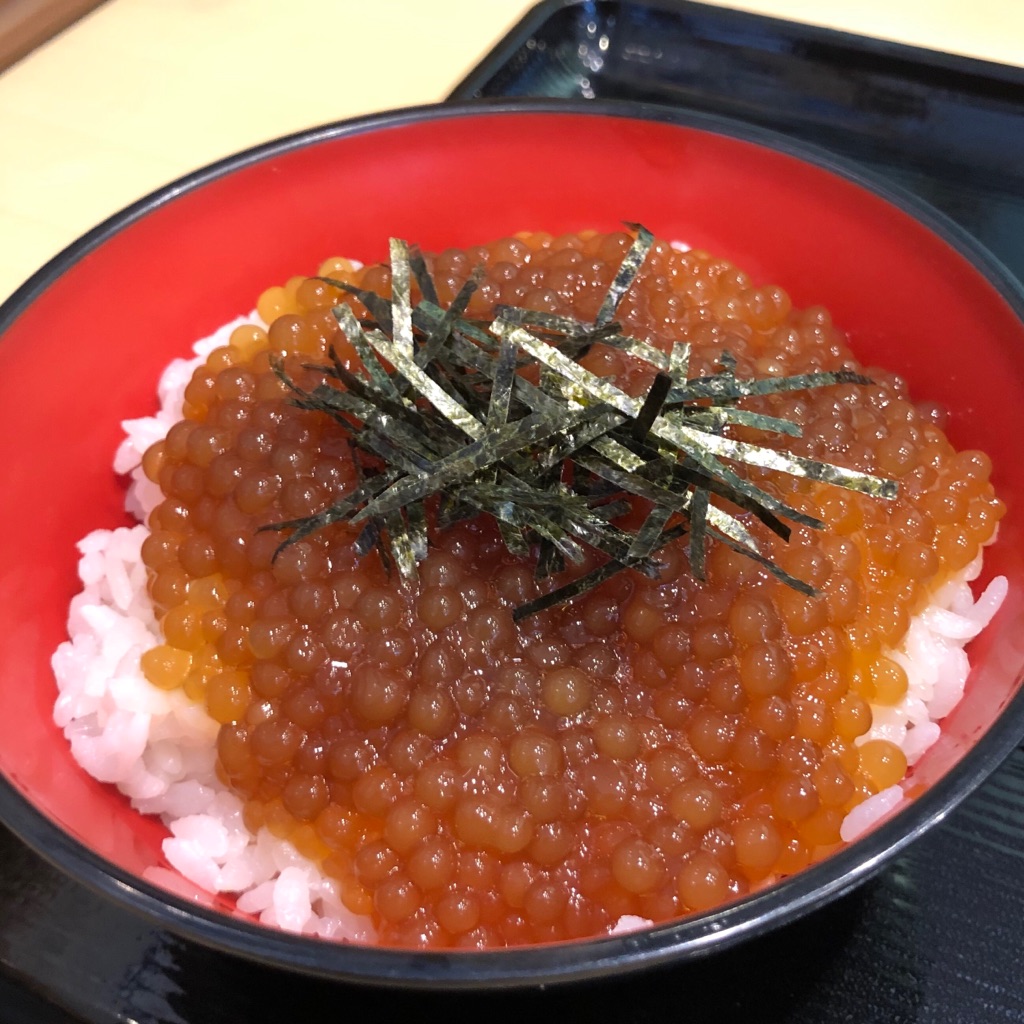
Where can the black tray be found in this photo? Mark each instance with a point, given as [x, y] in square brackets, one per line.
[950, 129]
[939, 936]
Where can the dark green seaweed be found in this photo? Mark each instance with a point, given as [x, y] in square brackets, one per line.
[441, 409]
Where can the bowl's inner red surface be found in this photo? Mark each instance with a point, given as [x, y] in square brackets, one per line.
[88, 351]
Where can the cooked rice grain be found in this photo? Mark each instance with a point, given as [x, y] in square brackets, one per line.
[159, 748]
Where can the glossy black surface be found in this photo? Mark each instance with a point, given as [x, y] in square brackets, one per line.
[939, 936]
[947, 128]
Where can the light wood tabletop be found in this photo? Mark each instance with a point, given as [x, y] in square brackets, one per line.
[138, 92]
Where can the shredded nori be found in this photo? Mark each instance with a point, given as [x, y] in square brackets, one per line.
[440, 408]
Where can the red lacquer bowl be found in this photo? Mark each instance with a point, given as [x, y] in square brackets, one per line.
[85, 339]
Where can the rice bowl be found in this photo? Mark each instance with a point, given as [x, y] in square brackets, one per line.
[158, 748]
[971, 717]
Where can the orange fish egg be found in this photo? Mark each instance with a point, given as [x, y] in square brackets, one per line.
[654, 748]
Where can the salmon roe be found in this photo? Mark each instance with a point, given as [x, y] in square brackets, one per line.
[655, 748]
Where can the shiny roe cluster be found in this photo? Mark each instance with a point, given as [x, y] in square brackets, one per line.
[654, 748]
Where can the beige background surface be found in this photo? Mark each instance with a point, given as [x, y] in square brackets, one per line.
[142, 91]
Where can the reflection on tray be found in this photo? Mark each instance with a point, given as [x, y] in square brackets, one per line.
[947, 128]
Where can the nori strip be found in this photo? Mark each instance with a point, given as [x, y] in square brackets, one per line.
[698, 531]
[655, 399]
[418, 266]
[401, 297]
[401, 545]
[353, 330]
[795, 465]
[626, 274]
[442, 404]
[379, 308]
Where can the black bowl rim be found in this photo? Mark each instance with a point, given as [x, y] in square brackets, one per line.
[685, 939]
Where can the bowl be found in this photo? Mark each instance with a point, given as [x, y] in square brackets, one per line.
[85, 338]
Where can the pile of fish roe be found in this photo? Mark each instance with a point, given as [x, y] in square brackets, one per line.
[655, 748]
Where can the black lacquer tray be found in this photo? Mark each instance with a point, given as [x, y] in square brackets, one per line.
[939, 936]
[947, 128]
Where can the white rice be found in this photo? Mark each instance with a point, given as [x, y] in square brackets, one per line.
[158, 747]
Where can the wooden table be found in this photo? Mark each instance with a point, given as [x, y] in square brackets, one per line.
[139, 92]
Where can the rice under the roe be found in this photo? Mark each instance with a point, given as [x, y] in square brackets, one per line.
[216, 855]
